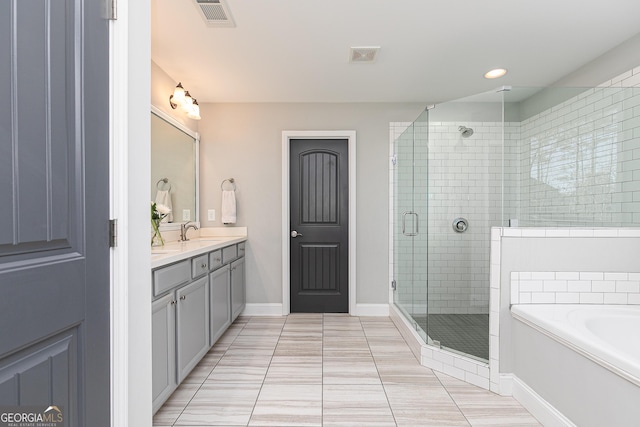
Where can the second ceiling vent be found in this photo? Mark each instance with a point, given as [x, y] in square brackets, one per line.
[363, 54]
[215, 13]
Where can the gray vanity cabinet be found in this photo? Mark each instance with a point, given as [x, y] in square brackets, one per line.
[192, 325]
[194, 302]
[219, 302]
[163, 326]
[238, 299]
[180, 333]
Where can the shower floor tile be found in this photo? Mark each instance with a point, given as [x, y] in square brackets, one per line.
[467, 333]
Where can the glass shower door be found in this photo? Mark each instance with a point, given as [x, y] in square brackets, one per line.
[465, 201]
[410, 159]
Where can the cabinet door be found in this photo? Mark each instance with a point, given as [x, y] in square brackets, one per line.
[163, 330]
[192, 331]
[220, 302]
[237, 288]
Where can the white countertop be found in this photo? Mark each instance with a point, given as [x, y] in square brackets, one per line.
[177, 251]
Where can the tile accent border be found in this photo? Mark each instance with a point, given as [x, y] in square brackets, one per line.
[575, 288]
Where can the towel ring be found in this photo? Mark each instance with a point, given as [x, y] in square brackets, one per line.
[230, 181]
[165, 181]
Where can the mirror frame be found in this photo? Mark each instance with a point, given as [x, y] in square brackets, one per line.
[196, 136]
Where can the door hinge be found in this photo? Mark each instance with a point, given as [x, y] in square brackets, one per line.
[393, 284]
[112, 10]
[113, 233]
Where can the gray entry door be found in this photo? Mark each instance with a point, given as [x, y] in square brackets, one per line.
[319, 203]
[54, 191]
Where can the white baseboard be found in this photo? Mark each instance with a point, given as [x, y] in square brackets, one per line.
[275, 309]
[546, 413]
[380, 310]
[262, 309]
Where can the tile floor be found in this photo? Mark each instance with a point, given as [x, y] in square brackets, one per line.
[327, 370]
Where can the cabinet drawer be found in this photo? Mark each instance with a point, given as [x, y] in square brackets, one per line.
[240, 250]
[215, 259]
[168, 277]
[229, 253]
[200, 266]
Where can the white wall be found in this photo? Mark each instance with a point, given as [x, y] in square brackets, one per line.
[613, 63]
[243, 141]
[134, 224]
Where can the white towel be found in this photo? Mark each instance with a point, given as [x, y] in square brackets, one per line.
[163, 197]
[228, 207]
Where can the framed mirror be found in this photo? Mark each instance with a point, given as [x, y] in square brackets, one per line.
[174, 168]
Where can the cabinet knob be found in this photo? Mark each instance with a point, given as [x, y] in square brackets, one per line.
[183, 297]
[203, 265]
[218, 260]
[173, 302]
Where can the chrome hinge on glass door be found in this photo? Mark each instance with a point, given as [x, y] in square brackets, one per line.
[394, 285]
[415, 228]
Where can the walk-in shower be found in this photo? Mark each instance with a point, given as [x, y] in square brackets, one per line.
[555, 157]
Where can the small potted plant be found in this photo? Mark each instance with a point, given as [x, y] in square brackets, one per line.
[158, 212]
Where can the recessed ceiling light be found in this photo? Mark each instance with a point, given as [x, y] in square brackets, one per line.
[495, 73]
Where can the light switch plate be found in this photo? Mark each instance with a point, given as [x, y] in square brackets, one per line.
[186, 215]
[211, 214]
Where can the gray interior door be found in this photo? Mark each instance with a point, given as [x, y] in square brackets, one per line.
[319, 203]
[54, 253]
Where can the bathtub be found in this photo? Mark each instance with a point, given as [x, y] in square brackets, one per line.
[607, 334]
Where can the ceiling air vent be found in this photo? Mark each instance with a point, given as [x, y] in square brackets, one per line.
[215, 13]
[363, 54]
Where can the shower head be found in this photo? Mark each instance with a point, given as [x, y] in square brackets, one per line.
[465, 131]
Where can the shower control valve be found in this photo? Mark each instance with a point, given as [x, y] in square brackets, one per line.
[460, 225]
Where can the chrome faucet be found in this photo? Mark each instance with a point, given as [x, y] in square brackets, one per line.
[183, 230]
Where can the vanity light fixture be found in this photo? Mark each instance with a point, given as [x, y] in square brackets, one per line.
[183, 99]
[495, 73]
[178, 96]
[194, 113]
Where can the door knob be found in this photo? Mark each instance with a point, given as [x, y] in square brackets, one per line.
[294, 234]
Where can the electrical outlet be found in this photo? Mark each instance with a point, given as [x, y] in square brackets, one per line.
[186, 215]
[211, 214]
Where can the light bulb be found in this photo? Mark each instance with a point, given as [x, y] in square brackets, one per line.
[178, 97]
[194, 112]
[188, 102]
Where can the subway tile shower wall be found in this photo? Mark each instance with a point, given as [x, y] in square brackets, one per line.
[580, 160]
[464, 180]
[575, 287]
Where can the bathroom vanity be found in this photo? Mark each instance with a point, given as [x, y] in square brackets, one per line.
[198, 290]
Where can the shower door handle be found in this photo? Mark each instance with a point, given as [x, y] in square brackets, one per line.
[404, 223]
